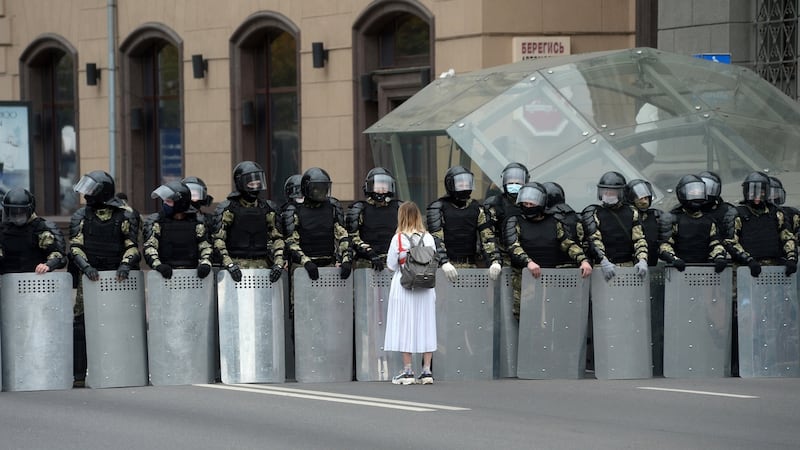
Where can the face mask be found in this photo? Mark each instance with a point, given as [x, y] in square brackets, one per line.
[168, 210]
[299, 200]
[610, 199]
[531, 212]
[642, 203]
[513, 189]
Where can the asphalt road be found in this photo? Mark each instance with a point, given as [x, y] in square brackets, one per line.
[728, 413]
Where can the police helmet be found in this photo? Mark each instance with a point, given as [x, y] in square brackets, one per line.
[638, 189]
[291, 188]
[379, 184]
[97, 187]
[777, 195]
[755, 187]
[611, 188]
[691, 192]
[18, 206]
[458, 182]
[532, 199]
[176, 192]
[249, 178]
[713, 184]
[555, 193]
[199, 190]
[513, 177]
[315, 184]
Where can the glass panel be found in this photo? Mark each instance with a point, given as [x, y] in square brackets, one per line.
[66, 143]
[169, 115]
[411, 37]
[285, 147]
[283, 62]
[168, 80]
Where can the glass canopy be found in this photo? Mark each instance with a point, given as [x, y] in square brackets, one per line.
[643, 112]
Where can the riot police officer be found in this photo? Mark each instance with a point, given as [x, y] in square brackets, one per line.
[317, 226]
[501, 206]
[558, 207]
[176, 236]
[245, 230]
[777, 196]
[104, 235]
[292, 191]
[691, 235]
[371, 223]
[28, 243]
[639, 193]
[536, 239]
[613, 230]
[200, 195]
[762, 228]
[723, 213]
[457, 223]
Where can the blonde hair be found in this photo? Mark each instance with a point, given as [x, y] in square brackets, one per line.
[409, 219]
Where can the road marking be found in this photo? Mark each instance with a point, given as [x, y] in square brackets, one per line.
[686, 391]
[335, 397]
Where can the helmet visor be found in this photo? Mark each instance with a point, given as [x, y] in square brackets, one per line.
[641, 190]
[462, 182]
[694, 190]
[380, 184]
[165, 193]
[253, 181]
[713, 188]
[319, 190]
[755, 190]
[777, 195]
[198, 191]
[17, 215]
[514, 175]
[88, 186]
[532, 195]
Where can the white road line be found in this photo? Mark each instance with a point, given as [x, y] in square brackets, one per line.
[335, 397]
[686, 391]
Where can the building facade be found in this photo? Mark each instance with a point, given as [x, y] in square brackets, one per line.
[152, 90]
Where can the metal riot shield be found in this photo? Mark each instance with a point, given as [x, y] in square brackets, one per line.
[181, 328]
[36, 331]
[656, 274]
[697, 322]
[371, 301]
[251, 338]
[621, 325]
[114, 312]
[554, 313]
[769, 339]
[323, 326]
[506, 330]
[465, 326]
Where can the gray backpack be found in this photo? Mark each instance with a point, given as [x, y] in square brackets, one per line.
[419, 270]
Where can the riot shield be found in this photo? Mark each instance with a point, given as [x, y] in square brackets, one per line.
[251, 338]
[465, 326]
[697, 322]
[621, 325]
[554, 313]
[114, 312]
[181, 328]
[506, 330]
[656, 274]
[323, 326]
[371, 301]
[769, 339]
[36, 328]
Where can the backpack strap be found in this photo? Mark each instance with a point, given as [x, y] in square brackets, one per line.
[400, 248]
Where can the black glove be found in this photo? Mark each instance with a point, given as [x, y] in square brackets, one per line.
[679, 264]
[91, 273]
[275, 273]
[720, 264]
[377, 263]
[755, 267]
[123, 270]
[203, 270]
[791, 267]
[165, 270]
[312, 270]
[235, 272]
[345, 269]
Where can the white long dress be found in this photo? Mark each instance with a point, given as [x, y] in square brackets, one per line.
[411, 317]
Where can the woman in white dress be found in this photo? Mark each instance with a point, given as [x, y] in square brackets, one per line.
[411, 318]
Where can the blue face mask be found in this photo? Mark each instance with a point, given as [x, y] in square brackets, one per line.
[168, 210]
[513, 188]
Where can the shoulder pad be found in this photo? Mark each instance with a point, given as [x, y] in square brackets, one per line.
[271, 205]
[494, 200]
[352, 215]
[75, 221]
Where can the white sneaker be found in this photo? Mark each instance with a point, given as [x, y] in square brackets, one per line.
[425, 378]
[404, 378]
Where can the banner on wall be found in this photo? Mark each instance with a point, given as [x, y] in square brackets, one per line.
[15, 145]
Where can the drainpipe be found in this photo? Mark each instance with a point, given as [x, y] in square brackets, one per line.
[112, 88]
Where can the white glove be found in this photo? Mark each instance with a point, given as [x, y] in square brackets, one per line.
[609, 269]
[450, 271]
[641, 268]
[494, 271]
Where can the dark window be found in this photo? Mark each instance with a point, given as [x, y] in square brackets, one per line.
[404, 41]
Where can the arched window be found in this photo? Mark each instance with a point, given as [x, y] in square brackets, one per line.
[153, 106]
[48, 80]
[266, 100]
[393, 54]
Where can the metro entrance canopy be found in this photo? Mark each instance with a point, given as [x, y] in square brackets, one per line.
[643, 112]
